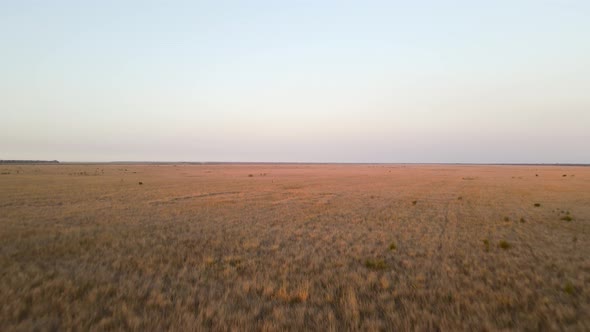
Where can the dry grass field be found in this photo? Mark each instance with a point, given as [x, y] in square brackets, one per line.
[294, 247]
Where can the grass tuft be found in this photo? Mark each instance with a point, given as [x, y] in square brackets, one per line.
[375, 264]
[486, 245]
[569, 288]
[504, 245]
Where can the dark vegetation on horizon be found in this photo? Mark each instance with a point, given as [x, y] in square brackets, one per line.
[29, 162]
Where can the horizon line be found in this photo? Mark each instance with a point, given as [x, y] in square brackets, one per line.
[154, 162]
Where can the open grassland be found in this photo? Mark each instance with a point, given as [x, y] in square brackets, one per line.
[294, 247]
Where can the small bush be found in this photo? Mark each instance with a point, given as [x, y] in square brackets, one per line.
[414, 202]
[375, 264]
[566, 218]
[522, 220]
[504, 245]
[392, 246]
[460, 197]
[537, 204]
[250, 175]
[569, 288]
[506, 219]
[564, 175]
[140, 183]
[486, 245]
[449, 298]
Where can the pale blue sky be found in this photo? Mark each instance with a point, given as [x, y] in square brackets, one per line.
[317, 81]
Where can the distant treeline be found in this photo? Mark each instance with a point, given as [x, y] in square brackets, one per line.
[29, 162]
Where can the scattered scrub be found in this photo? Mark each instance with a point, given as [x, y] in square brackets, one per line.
[375, 264]
[271, 259]
[292, 187]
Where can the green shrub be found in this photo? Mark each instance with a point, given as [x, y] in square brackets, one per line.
[566, 218]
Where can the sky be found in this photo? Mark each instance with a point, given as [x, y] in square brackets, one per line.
[296, 81]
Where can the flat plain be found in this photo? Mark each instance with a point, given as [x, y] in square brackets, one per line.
[294, 247]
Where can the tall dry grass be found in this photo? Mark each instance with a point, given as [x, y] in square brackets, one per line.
[294, 247]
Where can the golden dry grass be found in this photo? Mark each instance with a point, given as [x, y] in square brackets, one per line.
[294, 247]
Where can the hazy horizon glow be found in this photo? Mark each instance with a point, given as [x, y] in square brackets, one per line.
[302, 81]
